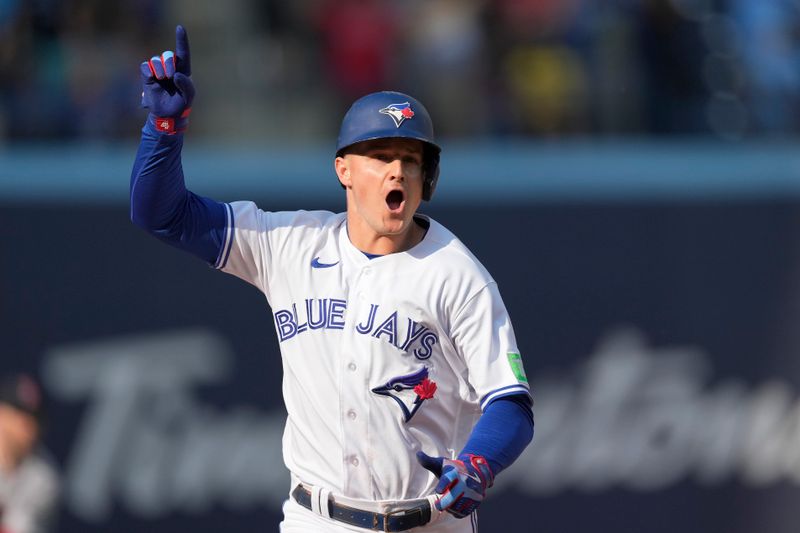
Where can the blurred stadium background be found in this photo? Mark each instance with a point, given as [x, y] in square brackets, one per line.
[627, 170]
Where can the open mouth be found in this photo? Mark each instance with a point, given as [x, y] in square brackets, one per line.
[394, 200]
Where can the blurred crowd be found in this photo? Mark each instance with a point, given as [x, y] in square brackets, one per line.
[271, 69]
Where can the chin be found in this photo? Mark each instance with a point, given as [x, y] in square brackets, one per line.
[393, 231]
[398, 227]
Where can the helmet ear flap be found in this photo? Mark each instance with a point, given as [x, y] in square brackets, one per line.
[431, 168]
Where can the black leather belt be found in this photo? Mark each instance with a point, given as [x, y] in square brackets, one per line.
[393, 521]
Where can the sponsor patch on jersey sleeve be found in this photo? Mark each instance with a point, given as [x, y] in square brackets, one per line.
[515, 361]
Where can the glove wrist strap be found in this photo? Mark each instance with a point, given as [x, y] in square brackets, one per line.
[171, 125]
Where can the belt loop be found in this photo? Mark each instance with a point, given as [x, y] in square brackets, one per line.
[315, 500]
[324, 502]
[319, 501]
[435, 513]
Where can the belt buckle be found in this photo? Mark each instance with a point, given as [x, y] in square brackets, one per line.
[386, 516]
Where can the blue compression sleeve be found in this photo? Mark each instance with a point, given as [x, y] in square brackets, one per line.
[503, 431]
[161, 205]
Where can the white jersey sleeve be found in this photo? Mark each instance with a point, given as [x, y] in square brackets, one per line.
[255, 240]
[483, 334]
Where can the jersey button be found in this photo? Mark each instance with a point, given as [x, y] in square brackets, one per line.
[354, 461]
[352, 367]
[351, 414]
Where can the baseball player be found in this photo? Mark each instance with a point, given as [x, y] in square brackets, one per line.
[404, 387]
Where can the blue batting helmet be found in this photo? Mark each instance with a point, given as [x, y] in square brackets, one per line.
[389, 114]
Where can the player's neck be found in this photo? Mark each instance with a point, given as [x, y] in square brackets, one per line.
[367, 240]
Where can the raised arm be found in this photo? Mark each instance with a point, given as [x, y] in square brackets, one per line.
[160, 202]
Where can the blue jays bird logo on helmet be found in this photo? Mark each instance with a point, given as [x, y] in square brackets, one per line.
[409, 391]
[398, 112]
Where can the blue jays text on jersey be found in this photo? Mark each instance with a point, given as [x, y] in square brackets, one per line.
[329, 313]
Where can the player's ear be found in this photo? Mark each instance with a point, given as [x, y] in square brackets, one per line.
[342, 171]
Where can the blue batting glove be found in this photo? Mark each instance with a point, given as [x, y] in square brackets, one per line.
[167, 89]
[462, 482]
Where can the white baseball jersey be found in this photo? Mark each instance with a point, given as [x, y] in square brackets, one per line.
[381, 357]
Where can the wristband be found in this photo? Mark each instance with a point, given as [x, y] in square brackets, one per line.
[170, 125]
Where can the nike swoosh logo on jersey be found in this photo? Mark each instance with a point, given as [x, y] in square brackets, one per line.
[315, 263]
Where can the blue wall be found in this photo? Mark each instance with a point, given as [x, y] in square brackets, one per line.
[654, 291]
[512, 170]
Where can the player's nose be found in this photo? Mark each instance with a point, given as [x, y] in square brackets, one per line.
[396, 169]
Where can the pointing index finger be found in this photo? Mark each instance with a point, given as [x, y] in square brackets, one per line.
[182, 61]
